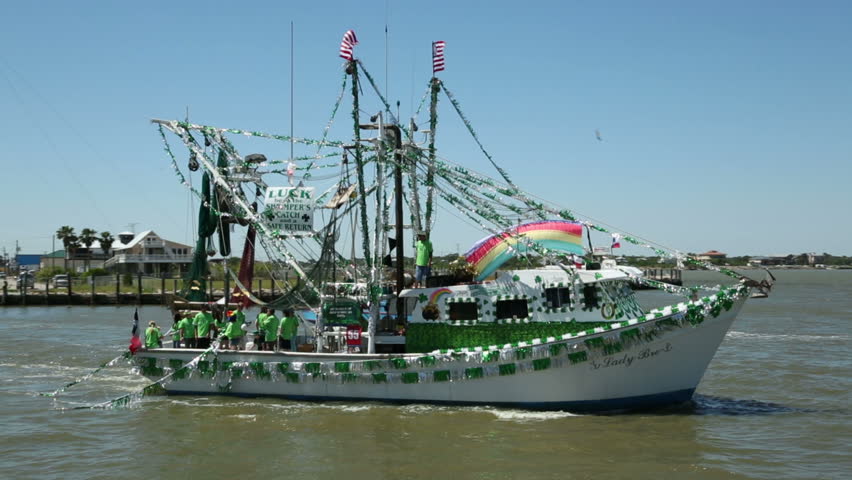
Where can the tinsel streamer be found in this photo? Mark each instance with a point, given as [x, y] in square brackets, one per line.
[330, 120]
[423, 99]
[213, 131]
[378, 92]
[430, 174]
[359, 165]
[473, 134]
[86, 376]
[240, 202]
[153, 387]
[414, 202]
[531, 356]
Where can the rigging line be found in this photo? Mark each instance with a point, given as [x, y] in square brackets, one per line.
[181, 131]
[466, 122]
[378, 92]
[71, 172]
[477, 201]
[589, 220]
[97, 153]
[473, 198]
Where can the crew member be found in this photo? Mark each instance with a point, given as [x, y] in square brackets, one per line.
[202, 323]
[423, 261]
[187, 331]
[259, 336]
[289, 326]
[153, 336]
[270, 329]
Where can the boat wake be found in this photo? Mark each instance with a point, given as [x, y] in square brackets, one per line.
[713, 405]
[780, 336]
[523, 416]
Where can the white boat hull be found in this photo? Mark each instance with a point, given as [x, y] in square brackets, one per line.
[647, 373]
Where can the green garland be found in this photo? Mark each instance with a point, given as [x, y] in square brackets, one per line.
[535, 355]
[427, 337]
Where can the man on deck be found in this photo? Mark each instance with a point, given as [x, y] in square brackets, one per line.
[188, 332]
[423, 261]
[288, 327]
[270, 328]
[153, 336]
[202, 322]
[259, 336]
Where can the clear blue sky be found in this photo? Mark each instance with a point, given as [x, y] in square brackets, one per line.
[726, 125]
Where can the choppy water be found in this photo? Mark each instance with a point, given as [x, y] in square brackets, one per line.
[774, 404]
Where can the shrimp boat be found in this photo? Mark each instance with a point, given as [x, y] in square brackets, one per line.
[555, 333]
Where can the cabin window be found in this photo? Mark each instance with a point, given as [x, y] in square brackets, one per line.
[558, 297]
[464, 311]
[512, 309]
[590, 296]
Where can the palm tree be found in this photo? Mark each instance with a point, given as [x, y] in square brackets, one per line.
[106, 242]
[73, 246]
[65, 234]
[87, 238]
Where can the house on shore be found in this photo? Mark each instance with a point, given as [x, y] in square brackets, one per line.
[150, 254]
[145, 253]
[711, 255]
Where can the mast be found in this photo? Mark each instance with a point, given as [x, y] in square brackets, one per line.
[400, 256]
[430, 174]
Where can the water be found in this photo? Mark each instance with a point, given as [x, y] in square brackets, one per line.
[774, 404]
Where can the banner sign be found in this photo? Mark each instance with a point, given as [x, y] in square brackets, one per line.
[292, 207]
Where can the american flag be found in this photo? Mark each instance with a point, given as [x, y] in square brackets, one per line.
[347, 44]
[438, 56]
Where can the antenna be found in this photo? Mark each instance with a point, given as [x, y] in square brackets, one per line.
[132, 226]
[291, 90]
[387, 85]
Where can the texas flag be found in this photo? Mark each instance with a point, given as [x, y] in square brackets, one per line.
[135, 343]
[616, 240]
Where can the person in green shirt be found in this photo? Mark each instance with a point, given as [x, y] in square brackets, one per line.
[187, 331]
[220, 321]
[288, 328]
[153, 336]
[259, 335]
[270, 329]
[202, 323]
[233, 332]
[175, 331]
[423, 261]
[240, 317]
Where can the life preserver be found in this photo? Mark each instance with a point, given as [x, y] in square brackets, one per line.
[608, 311]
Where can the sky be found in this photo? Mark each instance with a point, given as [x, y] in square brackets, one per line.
[724, 125]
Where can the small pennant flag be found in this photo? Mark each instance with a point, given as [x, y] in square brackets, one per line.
[347, 44]
[616, 240]
[438, 56]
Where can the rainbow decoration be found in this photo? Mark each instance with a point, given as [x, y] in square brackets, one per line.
[437, 294]
[491, 252]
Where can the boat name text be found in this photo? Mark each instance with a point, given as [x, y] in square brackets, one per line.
[627, 360]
